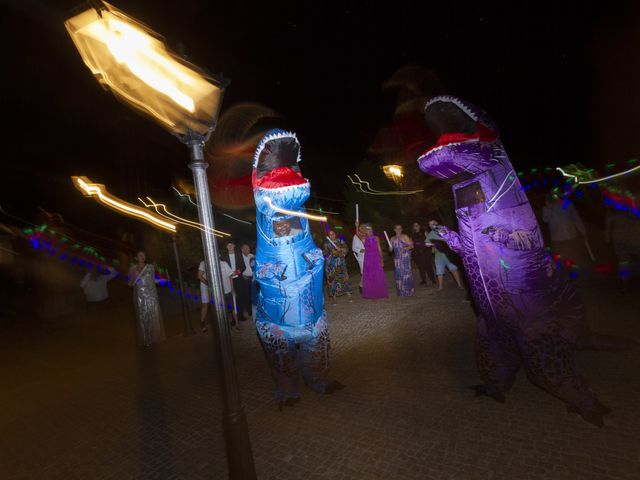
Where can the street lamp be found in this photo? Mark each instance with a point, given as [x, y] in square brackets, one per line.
[133, 62]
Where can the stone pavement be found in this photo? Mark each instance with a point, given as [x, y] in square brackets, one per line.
[86, 404]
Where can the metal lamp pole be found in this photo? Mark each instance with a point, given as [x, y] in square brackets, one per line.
[239, 455]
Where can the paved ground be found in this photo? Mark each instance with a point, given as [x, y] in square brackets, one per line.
[81, 402]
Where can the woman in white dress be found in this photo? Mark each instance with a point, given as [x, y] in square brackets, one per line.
[142, 277]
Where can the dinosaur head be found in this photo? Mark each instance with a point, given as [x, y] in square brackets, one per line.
[462, 130]
[276, 177]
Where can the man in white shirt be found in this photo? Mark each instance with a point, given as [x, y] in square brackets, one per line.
[95, 286]
[357, 247]
[236, 262]
[227, 288]
[246, 279]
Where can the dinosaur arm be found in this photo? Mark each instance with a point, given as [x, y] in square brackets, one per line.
[451, 237]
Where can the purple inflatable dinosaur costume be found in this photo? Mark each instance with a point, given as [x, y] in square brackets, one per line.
[528, 314]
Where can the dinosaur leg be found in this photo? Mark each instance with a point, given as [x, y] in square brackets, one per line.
[497, 367]
[549, 362]
[281, 354]
[314, 355]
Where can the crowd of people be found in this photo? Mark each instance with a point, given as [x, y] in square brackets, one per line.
[420, 249]
[423, 249]
[240, 288]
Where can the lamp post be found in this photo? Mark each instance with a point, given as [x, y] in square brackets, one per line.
[134, 64]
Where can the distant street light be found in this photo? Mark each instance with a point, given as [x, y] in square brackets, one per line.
[137, 67]
[394, 173]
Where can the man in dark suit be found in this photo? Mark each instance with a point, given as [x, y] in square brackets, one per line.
[236, 262]
[422, 255]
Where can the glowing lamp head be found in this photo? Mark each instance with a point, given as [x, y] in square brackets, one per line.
[134, 63]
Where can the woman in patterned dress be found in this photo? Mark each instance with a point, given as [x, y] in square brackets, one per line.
[335, 266]
[142, 277]
[401, 246]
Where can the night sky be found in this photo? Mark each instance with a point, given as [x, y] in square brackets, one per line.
[546, 71]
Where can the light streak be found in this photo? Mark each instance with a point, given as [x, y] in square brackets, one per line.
[185, 195]
[371, 191]
[100, 193]
[323, 211]
[294, 213]
[180, 220]
[195, 205]
[17, 218]
[597, 180]
[237, 219]
[331, 242]
[495, 202]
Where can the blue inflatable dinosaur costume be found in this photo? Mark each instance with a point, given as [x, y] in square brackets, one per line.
[291, 321]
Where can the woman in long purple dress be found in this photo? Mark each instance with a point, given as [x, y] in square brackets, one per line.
[374, 284]
[401, 246]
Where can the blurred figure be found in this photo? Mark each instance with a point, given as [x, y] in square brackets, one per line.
[441, 260]
[227, 273]
[335, 266]
[230, 151]
[623, 232]
[374, 284]
[567, 232]
[142, 277]
[246, 282]
[401, 246]
[204, 295]
[236, 263]
[255, 286]
[357, 247]
[95, 285]
[422, 255]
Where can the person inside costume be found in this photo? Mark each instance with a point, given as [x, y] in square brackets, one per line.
[529, 314]
[291, 321]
